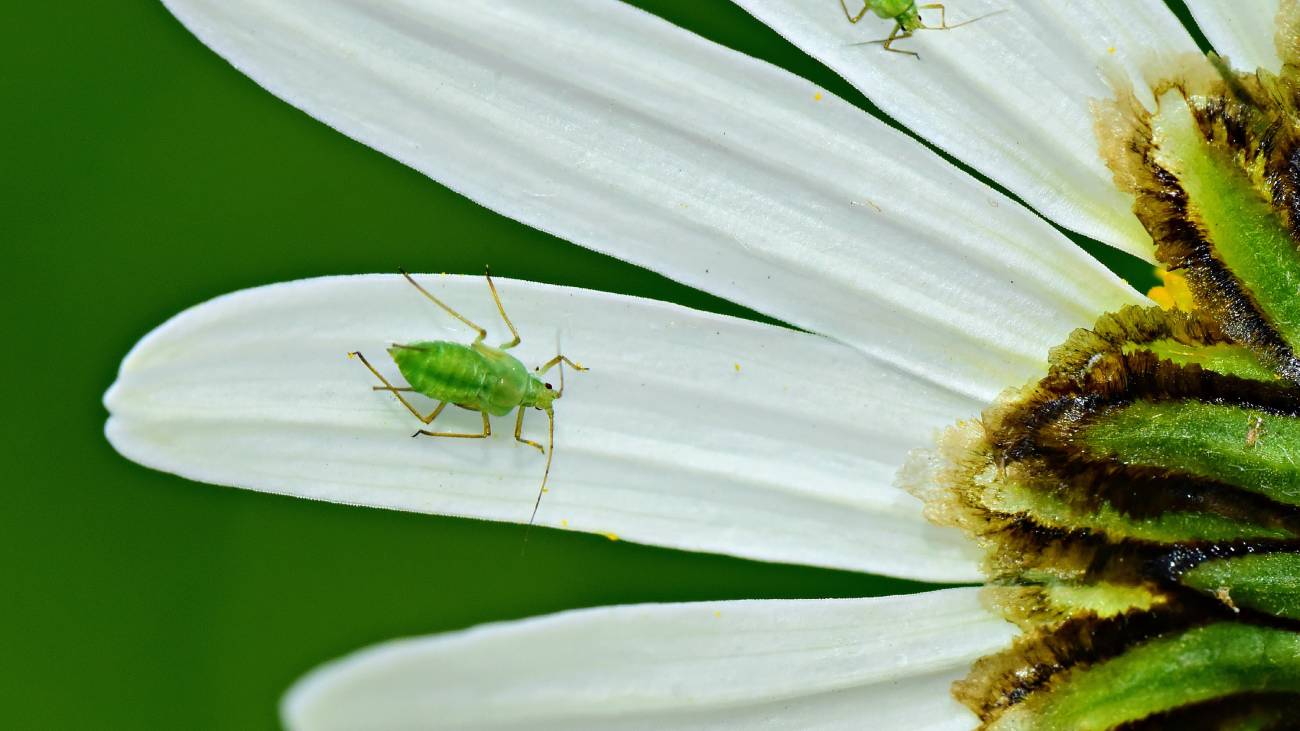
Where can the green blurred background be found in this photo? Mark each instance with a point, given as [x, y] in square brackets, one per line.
[142, 175]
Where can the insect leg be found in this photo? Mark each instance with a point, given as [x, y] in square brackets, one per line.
[897, 34]
[481, 332]
[894, 35]
[487, 428]
[548, 365]
[866, 5]
[560, 359]
[943, 17]
[519, 427]
[395, 389]
[497, 299]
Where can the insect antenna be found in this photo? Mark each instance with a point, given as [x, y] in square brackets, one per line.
[550, 452]
[945, 26]
[550, 447]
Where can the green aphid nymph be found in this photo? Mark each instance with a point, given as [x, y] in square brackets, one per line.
[476, 377]
[906, 15]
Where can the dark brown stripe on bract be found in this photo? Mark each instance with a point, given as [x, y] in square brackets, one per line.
[1259, 113]
[1045, 656]
[1039, 660]
[1052, 580]
[1059, 405]
[1132, 325]
[1236, 122]
[1041, 435]
[1182, 247]
[1175, 562]
[1087, 483]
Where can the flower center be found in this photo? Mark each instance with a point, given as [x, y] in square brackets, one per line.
[1140, 505]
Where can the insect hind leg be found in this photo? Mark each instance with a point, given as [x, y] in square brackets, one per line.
[396, 391]
[481, 332]
[500, 308]
[866, 6]
[487, 429]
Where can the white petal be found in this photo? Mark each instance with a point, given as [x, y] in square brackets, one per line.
[883, 663]
[602, 124]
[1242, 30]
[691, 430]
[1008, 94]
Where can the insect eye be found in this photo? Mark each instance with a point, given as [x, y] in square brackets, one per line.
[548, 386]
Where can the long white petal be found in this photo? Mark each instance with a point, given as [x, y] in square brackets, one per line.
[602, 124]
[1242, 30]
[883, 663]
[1008, 94]
[691, 430]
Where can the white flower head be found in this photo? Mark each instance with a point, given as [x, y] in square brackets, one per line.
[921, 294]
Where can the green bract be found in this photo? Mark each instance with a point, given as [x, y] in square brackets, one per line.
[1140, 505]
[1164, 674]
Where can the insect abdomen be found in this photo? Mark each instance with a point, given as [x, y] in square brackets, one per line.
[892, 9]
[443, 371]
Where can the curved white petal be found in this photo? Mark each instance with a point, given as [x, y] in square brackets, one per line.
[1242, 30]
[691, 430]
[1008, 94]
[883, 663]
[609, 127]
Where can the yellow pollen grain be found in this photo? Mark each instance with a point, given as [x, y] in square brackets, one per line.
[817, 97]
[737, 367]
[564, 523]
[1111, 50]
[717, 614]
[610, 536]
[1173, 293]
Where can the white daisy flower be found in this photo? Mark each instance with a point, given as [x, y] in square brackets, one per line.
[921, 293]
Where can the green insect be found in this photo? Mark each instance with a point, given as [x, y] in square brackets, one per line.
[906, 15]
[477, 377]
